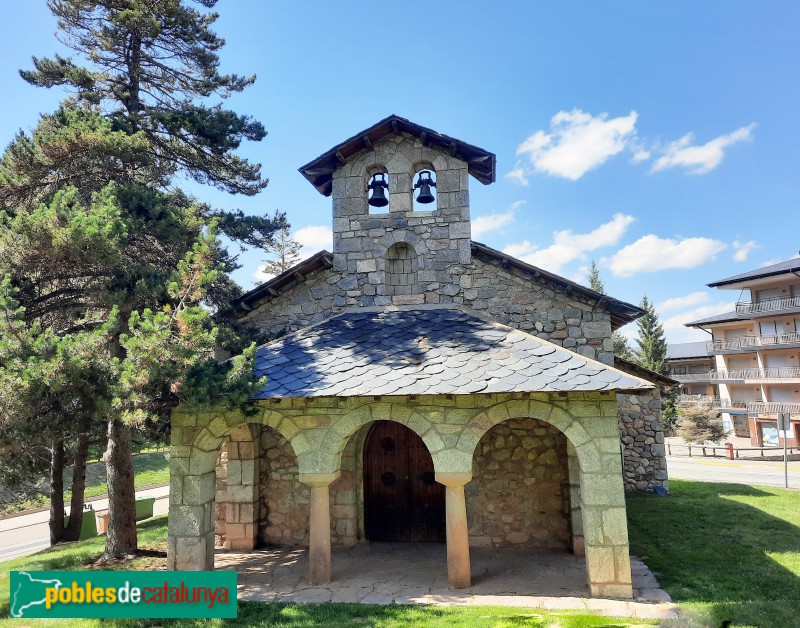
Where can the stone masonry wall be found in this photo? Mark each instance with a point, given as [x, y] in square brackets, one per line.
[519, 492]
[642, 434]
[506, 295]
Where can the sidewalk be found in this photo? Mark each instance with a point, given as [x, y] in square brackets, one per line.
[27, 534]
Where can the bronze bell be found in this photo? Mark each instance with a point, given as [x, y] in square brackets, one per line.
[378, 187]
[424, 183]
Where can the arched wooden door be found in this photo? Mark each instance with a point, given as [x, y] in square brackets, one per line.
[402, 500]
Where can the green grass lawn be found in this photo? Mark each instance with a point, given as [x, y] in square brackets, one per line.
[149, 469]
[153, 537]
[723, 551]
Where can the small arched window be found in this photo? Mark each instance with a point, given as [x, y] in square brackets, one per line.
[425, 198]
[401, 269]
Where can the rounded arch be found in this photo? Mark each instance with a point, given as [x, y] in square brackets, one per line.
[401, 269]
[559, 417]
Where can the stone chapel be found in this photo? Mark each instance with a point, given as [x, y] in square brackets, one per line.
[421, 387]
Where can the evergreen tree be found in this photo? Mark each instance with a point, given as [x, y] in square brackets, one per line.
[621, 347]
[594, 279]
[285, 253]
[651, 351]
[140, 110]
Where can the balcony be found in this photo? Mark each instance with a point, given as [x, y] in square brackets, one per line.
[768, 306]
[787, 372]
[754, 343]
[690, 377]
[772, 407]
[708, 401]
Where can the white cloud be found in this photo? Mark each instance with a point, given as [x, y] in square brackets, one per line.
[676, 331]
[678, 303]
[651, 253]
[517, 175]
[314, 238]
[577, 143]
[492, 222]
[699, 159]
[743, 250]
[568, 246]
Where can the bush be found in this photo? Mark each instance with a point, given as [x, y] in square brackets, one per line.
[698, 424]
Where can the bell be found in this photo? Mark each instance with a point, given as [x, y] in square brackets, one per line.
[424, 183]
[378, 187]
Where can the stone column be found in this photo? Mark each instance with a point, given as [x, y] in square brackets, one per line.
[191, 512]
[605, 523]
[319, 528]
[242, 491]
[458, 565]
[576, 516]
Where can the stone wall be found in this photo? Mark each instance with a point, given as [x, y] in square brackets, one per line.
[642, 434]
[507, 295]
[518, 495]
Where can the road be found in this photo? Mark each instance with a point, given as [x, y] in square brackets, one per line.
[26, 534]
[735, 471]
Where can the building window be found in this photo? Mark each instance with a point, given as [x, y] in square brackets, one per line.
[401, 269]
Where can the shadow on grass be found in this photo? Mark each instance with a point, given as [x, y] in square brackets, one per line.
[724, 551]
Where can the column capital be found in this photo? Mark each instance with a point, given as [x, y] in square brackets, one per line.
[318, 479]
[453, 479]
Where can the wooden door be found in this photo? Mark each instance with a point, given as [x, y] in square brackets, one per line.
[402, 500]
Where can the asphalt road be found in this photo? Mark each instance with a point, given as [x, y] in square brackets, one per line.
[735, 471]
[26, 534]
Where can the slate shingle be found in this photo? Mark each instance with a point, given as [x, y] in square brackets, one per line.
[424, 352]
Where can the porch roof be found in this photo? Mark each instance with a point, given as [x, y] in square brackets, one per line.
[425, 352]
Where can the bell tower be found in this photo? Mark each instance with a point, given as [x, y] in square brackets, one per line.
[401, 216]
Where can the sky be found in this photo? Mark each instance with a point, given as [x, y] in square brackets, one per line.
[658, 139]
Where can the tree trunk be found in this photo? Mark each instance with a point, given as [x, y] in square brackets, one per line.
[57, 492]
[73, 531]
[121, 541]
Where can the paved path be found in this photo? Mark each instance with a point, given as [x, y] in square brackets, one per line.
[26, 534]
[735, 471]
[416, 573]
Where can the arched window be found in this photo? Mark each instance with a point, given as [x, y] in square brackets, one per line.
[401, 269]
[378, 190]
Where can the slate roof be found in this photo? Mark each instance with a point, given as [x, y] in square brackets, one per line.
[425, 352]
[685, 350]
[480, 163]
[789, 266]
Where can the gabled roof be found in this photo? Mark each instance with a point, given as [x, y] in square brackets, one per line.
[621, 312]
[481, 163]
[685, 350]
[626, 366]
[781, 268]
[425, 352]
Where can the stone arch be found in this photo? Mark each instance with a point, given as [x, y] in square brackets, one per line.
[519, 492]
[401, 269]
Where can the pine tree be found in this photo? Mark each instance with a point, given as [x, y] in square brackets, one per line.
[594, 279]
[651, 351]
[285, 253]
[621, 347]
[139, 115]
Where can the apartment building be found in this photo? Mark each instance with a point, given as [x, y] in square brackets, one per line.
[754, 352]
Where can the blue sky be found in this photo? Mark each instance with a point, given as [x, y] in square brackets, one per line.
[659, 139]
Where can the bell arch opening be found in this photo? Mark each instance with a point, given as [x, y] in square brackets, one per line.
[401, 269]
[426, 198]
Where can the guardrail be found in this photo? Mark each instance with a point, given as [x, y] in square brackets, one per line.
[729, 450]
[767, 305]
[690, 377]
[769, 407]
[787, 372]
[754, 342]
